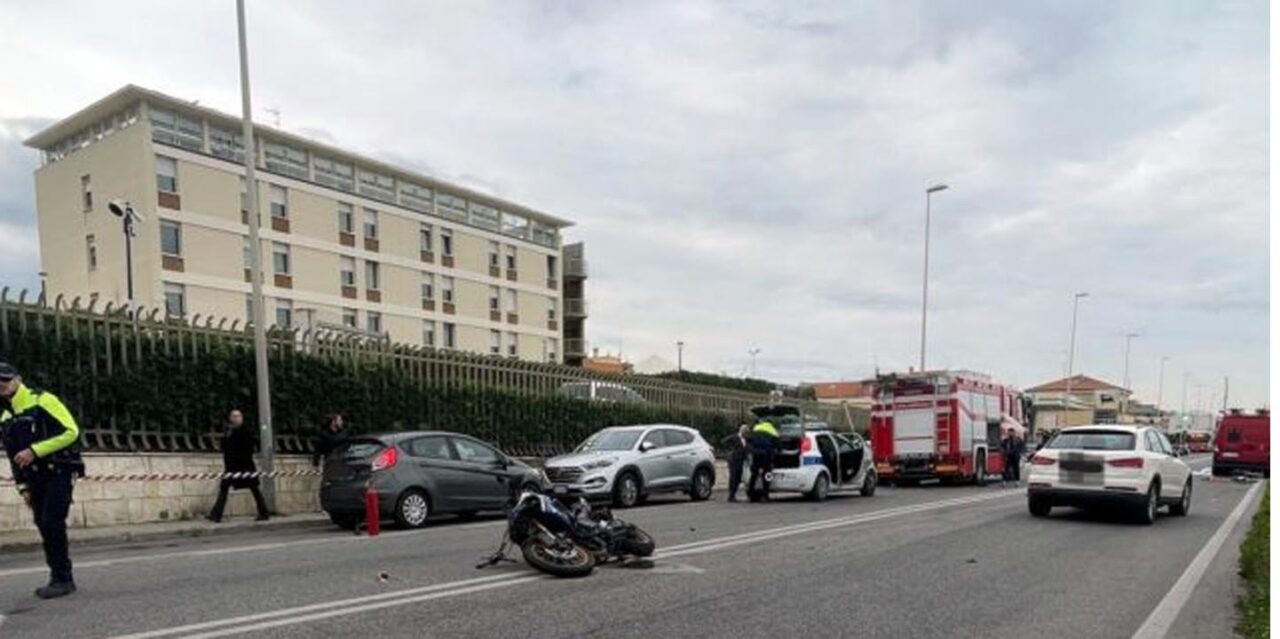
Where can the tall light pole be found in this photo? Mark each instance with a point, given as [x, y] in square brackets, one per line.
[753, 352]
[1128, 337]
[267, 434]
[680, 356]
[924, 297]
[1071, 352]
[1186, 376]
[129, 218]
[1160, 384]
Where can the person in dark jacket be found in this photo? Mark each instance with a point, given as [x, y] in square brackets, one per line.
[762, 445]
[1012, 456]
[736, 444]
[328, 438]
[237, 457]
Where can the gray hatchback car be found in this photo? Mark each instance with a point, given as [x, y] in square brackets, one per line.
[419, 474]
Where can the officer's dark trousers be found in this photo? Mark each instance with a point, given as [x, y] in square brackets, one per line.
[761, 466]
[50, 501]
[1011, 470]
[737, 461]
[221, 503]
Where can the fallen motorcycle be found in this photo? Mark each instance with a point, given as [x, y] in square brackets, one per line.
[562, 535]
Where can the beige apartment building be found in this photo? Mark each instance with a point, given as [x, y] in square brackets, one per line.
[348, 242]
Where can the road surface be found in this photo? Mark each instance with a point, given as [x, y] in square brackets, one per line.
[909, 562]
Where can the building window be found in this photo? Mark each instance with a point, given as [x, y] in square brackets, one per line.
[170, 238]
[549, 350]
[551, 309]
[428, 333]
[370, 224]
[174, 128]
[286, 160]
[428, 287]
[91, 251]
[450, 335]
[451, 206]
[374, 322]
[495, 343]
[485, 216]
[350, 317]
[512, 305]
[244, 195]
[281, 259]
[175, 299]
[279, 202]
[248, 308]
[513, 344]
[446, 290]
[553, 272]
[227, 145]
[248, 253]
[378, 186]
[511, 258]
[446, 242]
[371, 279]
[284, 313]
[346, 218]
[415, 197]
[336, 174]
[493, 299]
[166, 174]
[86, 194]
[517, 225]
[493, 255]
[424, 238]
[347, 270]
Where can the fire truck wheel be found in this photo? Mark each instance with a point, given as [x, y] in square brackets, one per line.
[980, 475]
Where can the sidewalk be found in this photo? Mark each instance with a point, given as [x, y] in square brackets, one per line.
[80, 537]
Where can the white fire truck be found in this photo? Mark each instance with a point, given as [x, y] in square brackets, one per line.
[941, 424]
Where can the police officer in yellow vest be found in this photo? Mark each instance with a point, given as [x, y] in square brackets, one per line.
[763, 444]
[41, 439]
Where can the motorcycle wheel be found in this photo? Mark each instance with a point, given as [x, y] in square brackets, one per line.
[573, 561]
[638, 543]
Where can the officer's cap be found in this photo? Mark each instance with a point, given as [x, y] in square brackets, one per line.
[7, 371]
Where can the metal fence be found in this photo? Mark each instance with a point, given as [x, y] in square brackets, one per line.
[141, 381]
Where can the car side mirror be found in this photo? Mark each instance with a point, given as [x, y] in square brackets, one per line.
[646, 446]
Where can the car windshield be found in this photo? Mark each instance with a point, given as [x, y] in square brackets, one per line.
[1092, 440]
[611, 440]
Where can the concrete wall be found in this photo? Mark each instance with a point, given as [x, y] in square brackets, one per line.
[118, 503]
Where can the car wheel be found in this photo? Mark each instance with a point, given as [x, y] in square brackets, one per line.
[821, 486]
[700, 487]
[626, 491]
[980, 472]
[345, 522]
[869, 483]
[1039, 506]
[1147, 511]
[1183, 506]
[412, 509]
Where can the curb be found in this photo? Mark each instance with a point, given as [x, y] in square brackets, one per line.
[88, 539]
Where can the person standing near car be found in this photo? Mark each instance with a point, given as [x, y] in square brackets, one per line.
[331, 435]
[42, 441]
[763, 446]
[736, 444]
[237, 457]
[1009, 450]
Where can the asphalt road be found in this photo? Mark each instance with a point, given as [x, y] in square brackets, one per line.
[915, 562]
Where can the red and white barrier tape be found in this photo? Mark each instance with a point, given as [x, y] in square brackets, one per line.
[309, 472]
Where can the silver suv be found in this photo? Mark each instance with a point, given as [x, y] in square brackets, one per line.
[627, 464]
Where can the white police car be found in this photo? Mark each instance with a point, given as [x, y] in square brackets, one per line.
[816, 460]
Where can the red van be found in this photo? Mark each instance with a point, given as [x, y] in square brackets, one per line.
[1243, 442]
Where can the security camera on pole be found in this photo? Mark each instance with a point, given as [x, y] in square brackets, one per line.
[128, 219]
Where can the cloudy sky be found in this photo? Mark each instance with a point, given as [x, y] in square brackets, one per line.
[752, 174]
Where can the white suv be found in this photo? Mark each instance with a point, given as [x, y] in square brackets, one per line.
[1109, 464]
[627, 464]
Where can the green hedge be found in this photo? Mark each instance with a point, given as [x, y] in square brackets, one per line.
[1254, 604]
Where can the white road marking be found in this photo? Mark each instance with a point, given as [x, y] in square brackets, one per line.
[313, 612]
[1162, 618]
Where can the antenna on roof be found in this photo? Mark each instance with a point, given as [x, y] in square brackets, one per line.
[275, 115]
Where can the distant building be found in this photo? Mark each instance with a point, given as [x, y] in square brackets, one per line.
[654, 364]
[1091, 401]
[606, 363]
[856, 394]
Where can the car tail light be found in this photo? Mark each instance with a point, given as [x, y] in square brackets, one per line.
[386, 459]
[1041, 460]
[1125, 462]
[805, 445]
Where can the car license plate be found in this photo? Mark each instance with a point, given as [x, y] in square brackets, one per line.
[1231, 455]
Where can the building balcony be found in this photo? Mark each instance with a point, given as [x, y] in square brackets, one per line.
[575, 269]
[575, 347]
[575, 308]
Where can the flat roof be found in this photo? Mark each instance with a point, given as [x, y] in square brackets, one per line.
[131, 93]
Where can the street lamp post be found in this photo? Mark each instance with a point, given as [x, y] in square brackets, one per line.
[123, 209]
[1160, 384]
[1071, 353]
[753, 352]
[924, 297]
[267, 434]
[680, 356]
[1128, 337]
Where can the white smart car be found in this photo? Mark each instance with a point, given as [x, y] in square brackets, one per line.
[1109, 464]
[814, 459]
